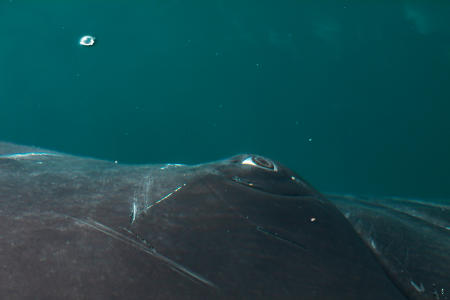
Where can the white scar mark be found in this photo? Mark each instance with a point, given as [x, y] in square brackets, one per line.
[420, 288]
[27, 155]
[133, 212]
[142, 202]
[165, 197]
[373, 244]
[170, 165]
[146, 249]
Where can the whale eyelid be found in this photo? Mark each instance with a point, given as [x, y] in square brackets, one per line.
[260, 162]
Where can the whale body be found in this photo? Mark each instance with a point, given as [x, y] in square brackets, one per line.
[246, 227]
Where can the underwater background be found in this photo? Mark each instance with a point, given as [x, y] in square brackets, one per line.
[352, 95]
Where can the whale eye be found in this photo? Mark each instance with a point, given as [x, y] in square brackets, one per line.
[260, 162]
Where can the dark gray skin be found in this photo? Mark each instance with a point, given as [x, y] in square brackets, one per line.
[241, 228]
[411, 239]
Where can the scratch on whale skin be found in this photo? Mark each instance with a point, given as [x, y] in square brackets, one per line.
[166, 196]
[133, 213]
[27, 155]
[146, 249]
[419, 288]
[137, 209]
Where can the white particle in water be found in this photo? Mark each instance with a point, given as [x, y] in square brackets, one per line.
[87, 40]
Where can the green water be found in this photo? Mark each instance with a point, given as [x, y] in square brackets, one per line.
[353, 95]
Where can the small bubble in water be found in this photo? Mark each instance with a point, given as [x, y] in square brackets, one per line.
[87, 40]
[310, 140]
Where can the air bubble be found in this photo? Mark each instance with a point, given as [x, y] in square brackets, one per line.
[87, 40]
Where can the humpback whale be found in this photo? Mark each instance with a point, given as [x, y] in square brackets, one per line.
[246, 227]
